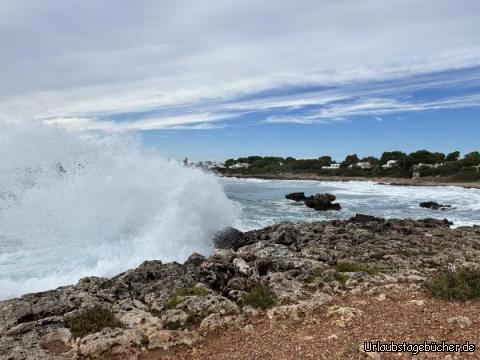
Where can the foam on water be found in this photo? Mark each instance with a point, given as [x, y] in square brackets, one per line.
[264, 202]
[74, 205]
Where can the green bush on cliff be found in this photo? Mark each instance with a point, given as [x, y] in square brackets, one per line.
[456, 285]
[346, 266]
[180, 294]
[91, 321]
[260, 296]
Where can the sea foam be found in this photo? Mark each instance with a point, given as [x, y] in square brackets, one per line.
[79, 204]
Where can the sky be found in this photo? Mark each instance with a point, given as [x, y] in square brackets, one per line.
[211, 80]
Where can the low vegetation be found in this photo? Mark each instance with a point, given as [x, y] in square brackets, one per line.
[346, 266]
[328, 278]
[92, 321]
[180, 294]
[456, 285]
[260, 296]
[451, 167]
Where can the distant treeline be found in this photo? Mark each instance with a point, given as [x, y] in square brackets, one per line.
[446, 165]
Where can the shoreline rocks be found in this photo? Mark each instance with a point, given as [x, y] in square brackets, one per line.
[434, 205]
[166, 304]
[319, 202]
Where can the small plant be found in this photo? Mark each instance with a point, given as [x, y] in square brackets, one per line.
[341, 278]
[346, 266]
[316, 273]
[192, 291]
[180, 294]
[456, 285]
[260, 296]
[92, 321]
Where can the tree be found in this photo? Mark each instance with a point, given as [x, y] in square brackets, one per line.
[229, 162]
[325, 160]
[425, 157]
[350, 160]
[471, 159]
[453, 156]
[372, 160]
[392, 155]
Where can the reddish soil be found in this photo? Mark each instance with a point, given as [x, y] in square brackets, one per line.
[391, 318]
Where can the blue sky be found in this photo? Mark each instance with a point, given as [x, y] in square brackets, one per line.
[213, 80]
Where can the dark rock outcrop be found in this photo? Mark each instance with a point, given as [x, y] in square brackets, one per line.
[296, 196]
[434, 205]
[319, 202]
[322, 202]
[229, 238]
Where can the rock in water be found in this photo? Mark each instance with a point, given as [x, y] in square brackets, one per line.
[229, 238]
[296, 196]
[322, 202]
[434, 205]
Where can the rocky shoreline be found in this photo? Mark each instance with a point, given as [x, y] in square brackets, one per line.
[286, 271]
[380, 181]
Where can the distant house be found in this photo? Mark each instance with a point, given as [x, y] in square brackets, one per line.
[477, 168]
[331, 167]
[240, 166]
[390, 164]
[363, 165]
[214, 165]
[431, 166]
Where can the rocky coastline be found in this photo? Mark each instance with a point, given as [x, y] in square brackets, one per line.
[285, 271]
[426, 181]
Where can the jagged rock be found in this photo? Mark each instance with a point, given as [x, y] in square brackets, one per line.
[362, 219]
[229, 238]
[434, 205]
[343, 314]
[322, 202]
[296, 196]
[296, 261]
[299, 310]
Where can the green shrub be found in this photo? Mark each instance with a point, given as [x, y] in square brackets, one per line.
[92, 321]
[341, 278]
[179, 295]
[260, 296]
[456, 285]
[328, 278]
[346, 266]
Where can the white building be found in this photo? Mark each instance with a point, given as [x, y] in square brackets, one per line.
[239, 166]
[390, 164]
[363, 165]
[431, 166]
[214, 165]
[331, 167]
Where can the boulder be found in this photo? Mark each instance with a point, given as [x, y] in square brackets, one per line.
[362, 219]
[322, 202]
[434, 205]
[229, 238]
[296, 196]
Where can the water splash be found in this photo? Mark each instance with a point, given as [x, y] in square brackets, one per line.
[74, 204]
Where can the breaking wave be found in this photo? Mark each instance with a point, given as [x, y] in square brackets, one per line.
[75, 204]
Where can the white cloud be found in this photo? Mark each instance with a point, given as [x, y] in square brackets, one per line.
[89, 59]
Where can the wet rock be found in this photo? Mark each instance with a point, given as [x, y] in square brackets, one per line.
[296, 196]
[434, 205]
[229, 238]
[322, 202]
[362, 219]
